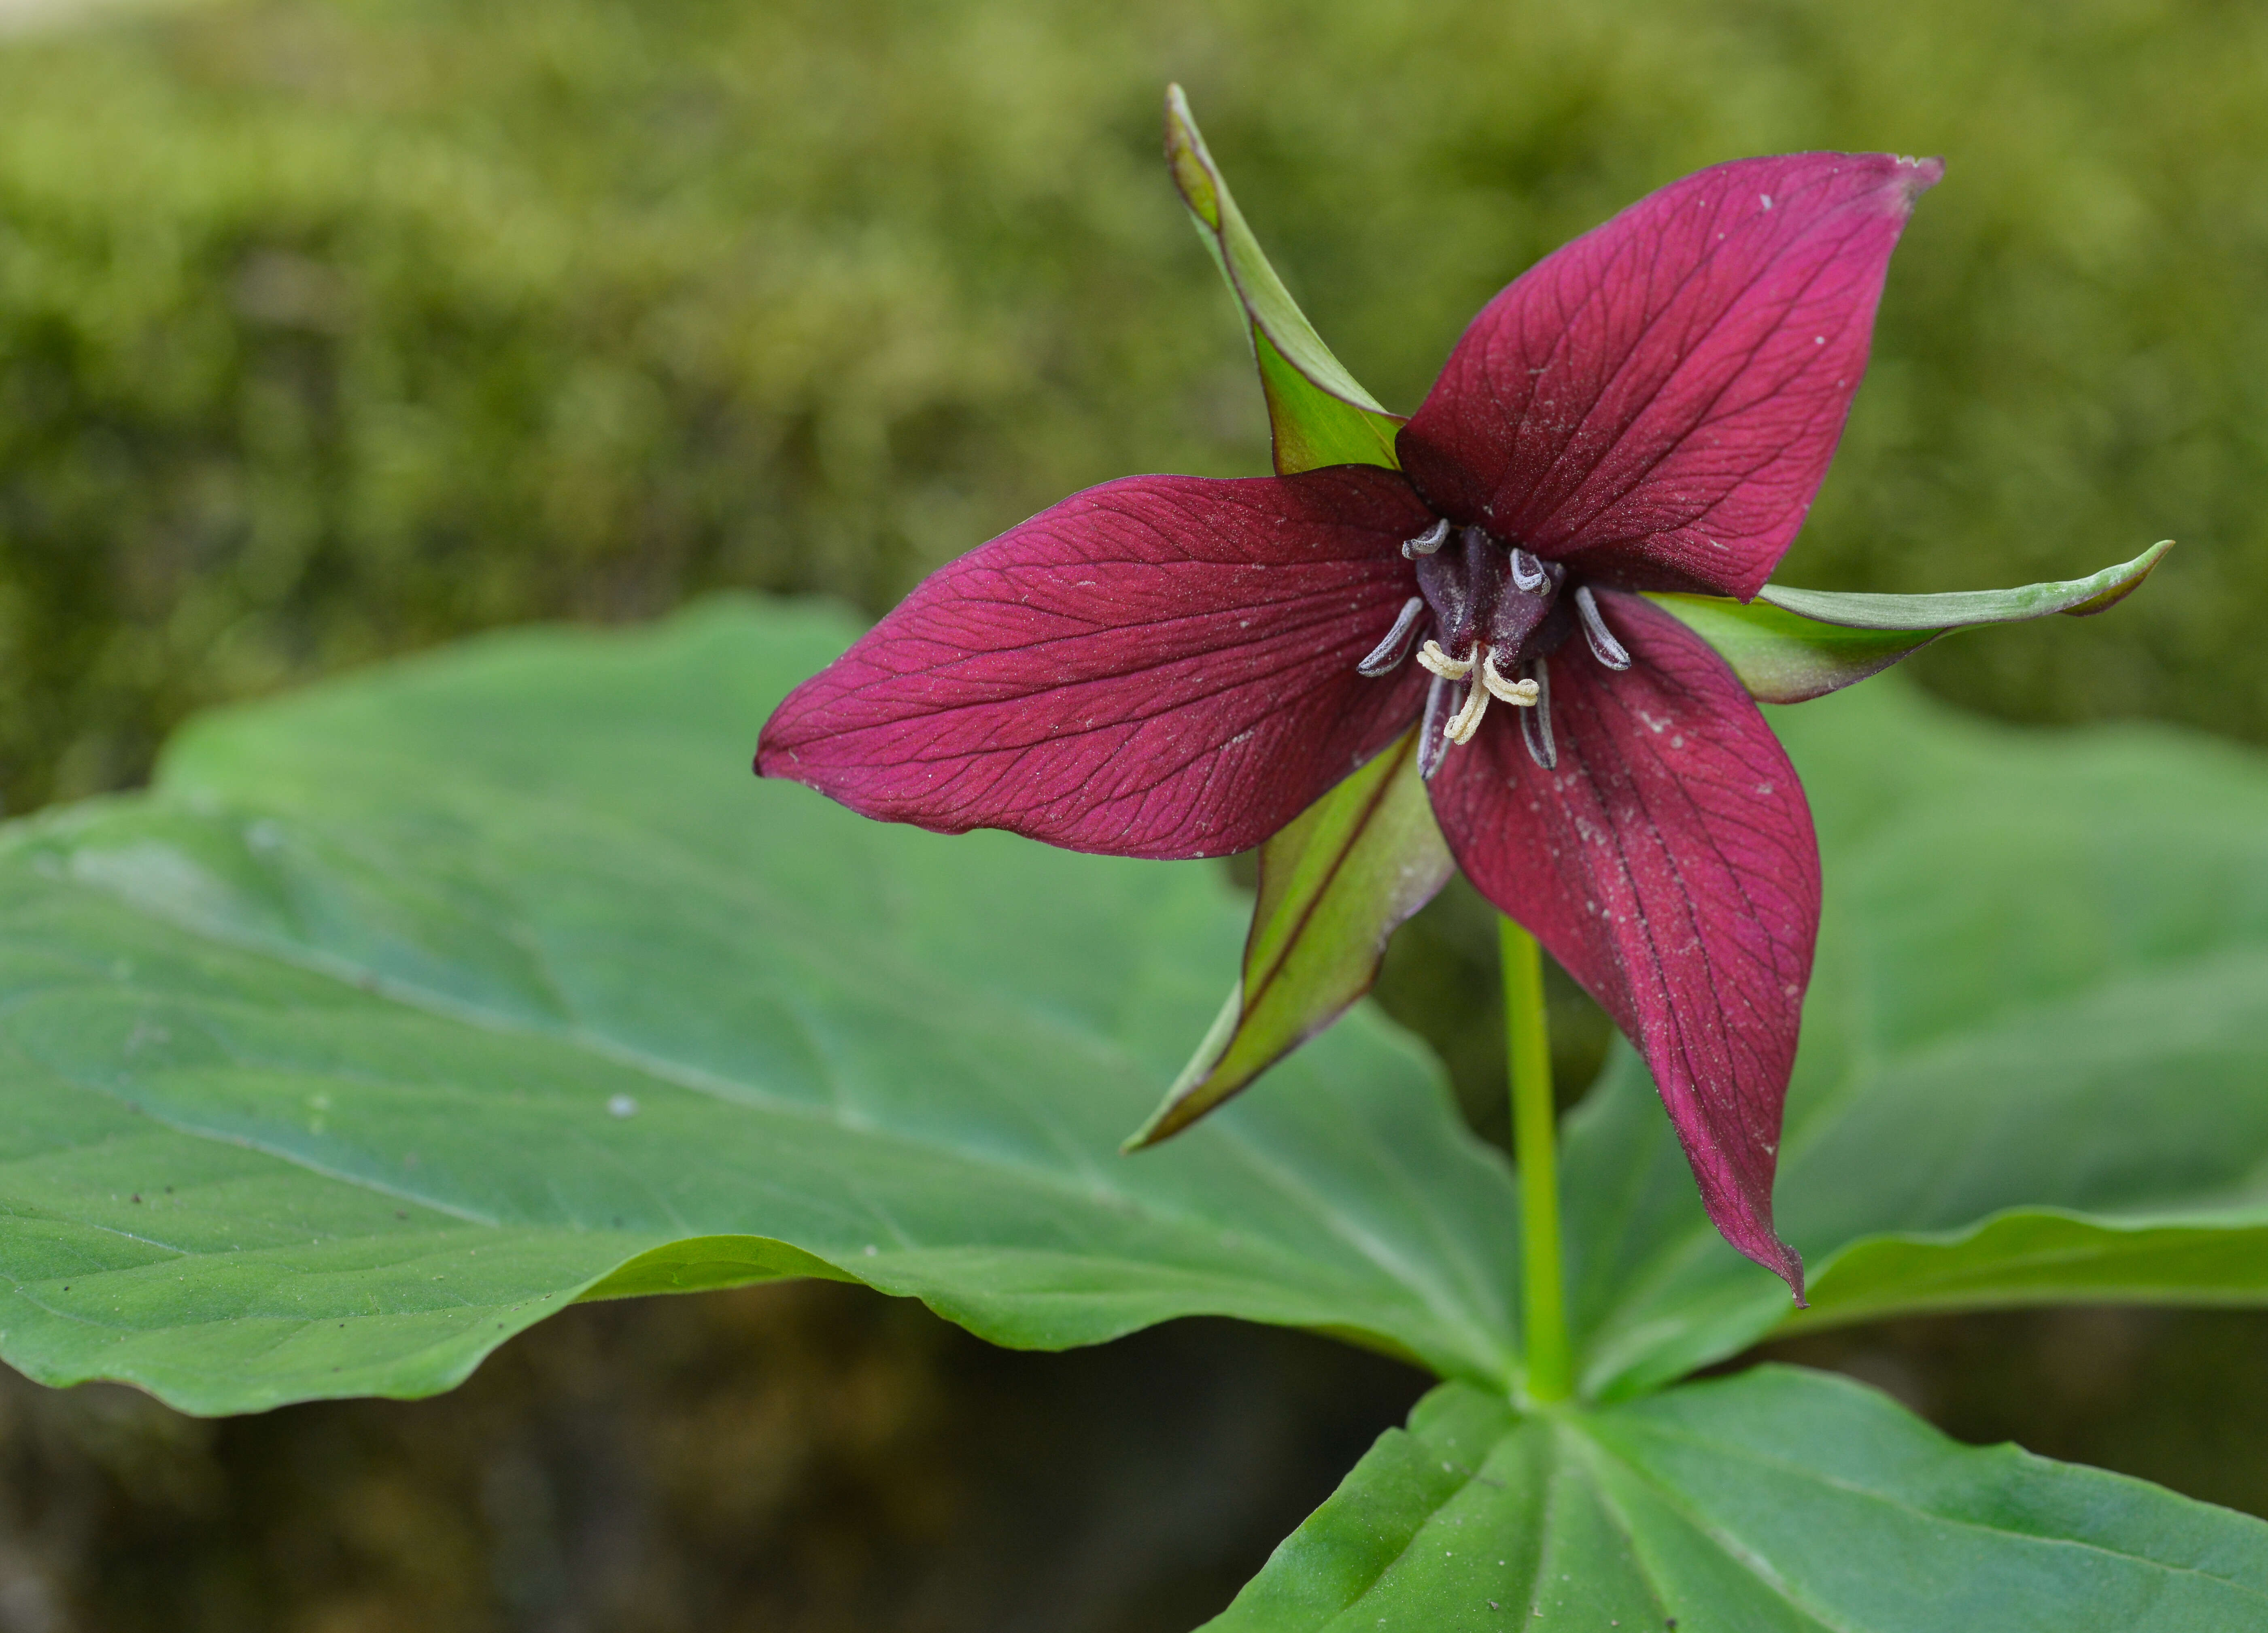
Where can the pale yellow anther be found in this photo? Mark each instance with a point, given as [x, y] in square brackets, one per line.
[1467, 721]
[1490, 683]
[1520, 693]
[1431, 656]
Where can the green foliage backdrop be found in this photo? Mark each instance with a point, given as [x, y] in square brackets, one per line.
[330, 327]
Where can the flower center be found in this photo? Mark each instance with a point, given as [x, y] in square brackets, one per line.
[1496, 612]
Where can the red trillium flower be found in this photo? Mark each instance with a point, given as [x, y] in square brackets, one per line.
[1175, 667]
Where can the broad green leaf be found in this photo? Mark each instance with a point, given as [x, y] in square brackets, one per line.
[1789, 645]
[1334, 885]
[1318, 414]
[408, 1009]
[2033, 1053]
[1780, 1501]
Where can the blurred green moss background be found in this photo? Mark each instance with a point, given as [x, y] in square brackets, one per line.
[331, 328]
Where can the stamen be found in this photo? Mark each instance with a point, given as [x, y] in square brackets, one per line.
[1431, 744]
[1387, 656]
[1430, 656]
[1467, 719]
[1527, 571]
[1604, 647]
[1426, 543]
[1520, 693]
[1535, 725]
[1486, 684]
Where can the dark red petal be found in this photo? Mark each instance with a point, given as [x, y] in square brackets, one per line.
[1669, 864]
[1162, 666]
[1658, 399]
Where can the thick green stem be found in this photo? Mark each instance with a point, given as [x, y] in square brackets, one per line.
[1528, 1049]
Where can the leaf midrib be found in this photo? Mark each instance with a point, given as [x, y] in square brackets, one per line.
[366, 982]
[1745, 1559]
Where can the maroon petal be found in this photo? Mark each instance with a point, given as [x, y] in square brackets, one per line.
[1658, 399]
[1162, 666]
[1669, 864]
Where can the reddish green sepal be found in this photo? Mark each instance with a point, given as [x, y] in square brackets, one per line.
[1790, 645]
[1317, 412]
[1334, 886]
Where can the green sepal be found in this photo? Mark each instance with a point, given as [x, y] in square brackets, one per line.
[1959, 609]
[1778, 1500]
[1318, 414]
[1335, 884]
[1788, 645]
[1782, 658]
